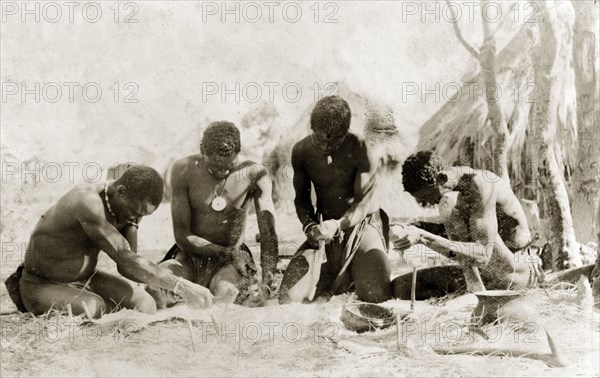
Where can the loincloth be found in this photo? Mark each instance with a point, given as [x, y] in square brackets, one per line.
[12, 286]
[203, 269]
[37, 280]
[335, 276]
[21, 276]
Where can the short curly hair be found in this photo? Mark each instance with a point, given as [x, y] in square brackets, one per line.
[420, 170]
[332, 115]
[142, 183]
[221, 138]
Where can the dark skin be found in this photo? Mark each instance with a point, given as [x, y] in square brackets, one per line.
[511, 219]
[201, 230]
[65, 245]
[473, 226]
[344, 188]
[344, 179]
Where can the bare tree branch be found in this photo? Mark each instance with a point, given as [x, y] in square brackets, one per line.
[466, 44]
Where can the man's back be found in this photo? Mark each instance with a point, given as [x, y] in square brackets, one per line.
[59, 249]
[510, 217]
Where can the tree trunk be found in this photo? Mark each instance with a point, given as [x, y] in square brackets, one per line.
[596, 271]
[487, 60]
[552, 30]
[586, 61]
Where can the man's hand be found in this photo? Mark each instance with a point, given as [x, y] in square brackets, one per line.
[258, 295]
[169, 296]
[194, 295]
[404, 237]
[267, 278]
[414, 222]
[326, 231]
[242, 261]
[311, 236]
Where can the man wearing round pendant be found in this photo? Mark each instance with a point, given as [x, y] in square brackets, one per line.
[211, 194]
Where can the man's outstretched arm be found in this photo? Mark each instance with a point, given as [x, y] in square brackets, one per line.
[483, 227]
[90, 214]
[265, 211]
[463, 252]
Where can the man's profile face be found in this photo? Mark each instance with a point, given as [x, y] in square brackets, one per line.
[327, 142]
[131, 210]
[220, 165]
[427, 196]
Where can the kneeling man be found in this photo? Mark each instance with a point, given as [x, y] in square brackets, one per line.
[211, 195]
[354, 232]
[486, 226]
[62, 254]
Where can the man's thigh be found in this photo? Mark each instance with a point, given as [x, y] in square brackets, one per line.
[41, 297]
[370, 268]
[299, 277]
[118, 292]
[180, 267]
[431, 282]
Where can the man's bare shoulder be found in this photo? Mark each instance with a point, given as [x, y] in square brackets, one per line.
[183, 164]
[478, 183]
[81, 201]
[301, 146]
[355, 138]
[251, 170]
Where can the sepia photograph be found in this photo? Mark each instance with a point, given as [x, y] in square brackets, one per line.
[310, 188]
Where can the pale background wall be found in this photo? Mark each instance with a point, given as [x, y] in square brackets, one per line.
[376, 48]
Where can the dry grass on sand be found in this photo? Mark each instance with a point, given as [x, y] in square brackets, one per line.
[300, 340]
[291, 340]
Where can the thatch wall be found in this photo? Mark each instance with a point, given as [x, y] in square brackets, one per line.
[460, 133]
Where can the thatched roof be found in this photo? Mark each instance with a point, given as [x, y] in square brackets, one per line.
[460, 133]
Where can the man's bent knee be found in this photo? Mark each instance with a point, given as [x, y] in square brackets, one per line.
[401, 286]
[143, 302]
[374, 293]
[371, 272]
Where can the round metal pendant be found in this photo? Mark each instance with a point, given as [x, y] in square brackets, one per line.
[218, 203]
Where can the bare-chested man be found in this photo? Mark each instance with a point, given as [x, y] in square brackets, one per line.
[211, 194]
[62, 254]
[336, 162]
[484, 221]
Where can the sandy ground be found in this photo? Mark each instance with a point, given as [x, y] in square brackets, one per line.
[291, 340]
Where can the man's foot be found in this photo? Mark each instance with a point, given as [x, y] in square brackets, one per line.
[161, 301]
